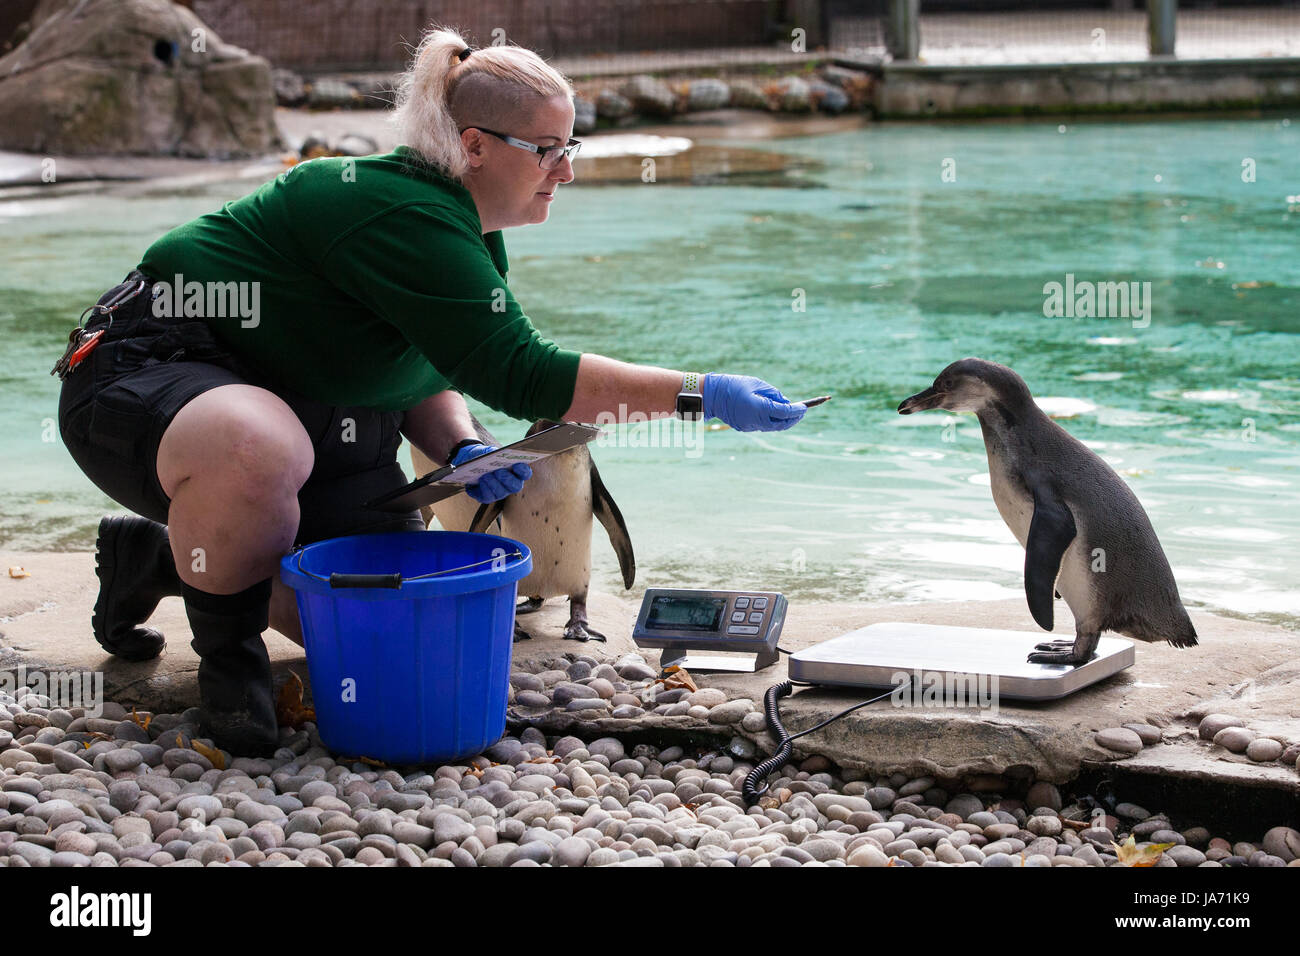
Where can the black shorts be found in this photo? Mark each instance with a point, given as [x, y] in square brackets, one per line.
[116, 404]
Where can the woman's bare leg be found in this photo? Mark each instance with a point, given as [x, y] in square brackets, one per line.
[232, 461]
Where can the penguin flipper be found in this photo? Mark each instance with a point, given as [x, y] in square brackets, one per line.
[1050, 533]
[606, 511]
[486, 514]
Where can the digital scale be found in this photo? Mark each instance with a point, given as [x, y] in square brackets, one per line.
[685, 621]
[739, 622]
[876, 656]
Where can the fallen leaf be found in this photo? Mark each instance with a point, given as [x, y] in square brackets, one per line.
[289, 711]
[214, 756]
[1130, 854]
[142, 724]
[17, 572]
[677, 677]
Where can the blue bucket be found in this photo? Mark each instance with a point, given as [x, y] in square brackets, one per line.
[408, 638]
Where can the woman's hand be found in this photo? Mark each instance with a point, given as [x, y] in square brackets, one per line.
[748, 404]
[495, 485]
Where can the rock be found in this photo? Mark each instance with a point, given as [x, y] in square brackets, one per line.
[612, 105]
[610, 747]
[584, 116]
[792, 94]
[746, 96]
[1001, 859]
[1043, 794]
[649, 96]
[1211, 724]
[532, 698]
[707, 697]
[571, 851]
[1119, 739]
[707, 94]
[828, 98]
[120, 77]
[963, 805]
[1043, 826]
[449, 827]
[868, 855]
[1099, 837]
[1185, 855]
[754, 723]
[1234, 739]
[356, 144]
[1149, 733]
[1261, 749]
[1130, 811]
[1282, 842]
[327, 94]
[730, 712]
[288, 86]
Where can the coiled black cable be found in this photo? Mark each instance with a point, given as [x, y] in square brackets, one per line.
[749, 790]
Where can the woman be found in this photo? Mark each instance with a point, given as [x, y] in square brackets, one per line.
[259, 368]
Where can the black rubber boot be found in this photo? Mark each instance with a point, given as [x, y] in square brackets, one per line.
[133, 559]
[237, 706]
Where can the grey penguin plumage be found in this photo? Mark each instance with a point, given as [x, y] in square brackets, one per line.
[1070, 512]
[552, 514]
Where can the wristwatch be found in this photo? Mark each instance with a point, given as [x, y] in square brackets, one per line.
[690, 400]
[459, 445]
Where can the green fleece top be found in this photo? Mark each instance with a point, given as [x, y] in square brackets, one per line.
[376, 287]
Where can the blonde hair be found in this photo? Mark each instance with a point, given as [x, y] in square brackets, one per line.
[494, 87]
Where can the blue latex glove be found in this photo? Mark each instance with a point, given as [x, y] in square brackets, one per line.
[495, 485]
[748, 404]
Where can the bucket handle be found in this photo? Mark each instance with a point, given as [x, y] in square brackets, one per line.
[365, 580]
[394, 580]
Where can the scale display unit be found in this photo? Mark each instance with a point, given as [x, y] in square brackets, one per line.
[686, 623]
[875, 656]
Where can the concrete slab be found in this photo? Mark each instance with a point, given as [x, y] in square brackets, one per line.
[1244, 668]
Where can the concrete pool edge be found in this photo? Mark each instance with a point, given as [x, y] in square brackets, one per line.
[1242, 668]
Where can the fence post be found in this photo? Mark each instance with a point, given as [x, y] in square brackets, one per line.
[903, 31]
[1162, 16]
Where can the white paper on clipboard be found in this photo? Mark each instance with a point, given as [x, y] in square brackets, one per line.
[449, 481]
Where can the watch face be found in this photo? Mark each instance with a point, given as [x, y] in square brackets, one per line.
[690, 405]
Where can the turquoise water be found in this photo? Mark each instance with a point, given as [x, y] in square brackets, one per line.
[902, 272]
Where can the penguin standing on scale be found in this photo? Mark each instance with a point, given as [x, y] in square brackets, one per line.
[1070, 512]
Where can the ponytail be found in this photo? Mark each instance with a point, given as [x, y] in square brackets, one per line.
[447, 88]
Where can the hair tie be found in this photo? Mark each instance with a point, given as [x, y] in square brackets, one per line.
[464, 54]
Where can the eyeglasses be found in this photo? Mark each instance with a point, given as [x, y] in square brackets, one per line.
[548, 157]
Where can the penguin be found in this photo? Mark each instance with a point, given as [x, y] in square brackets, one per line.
[552, 514]
[1086, 536]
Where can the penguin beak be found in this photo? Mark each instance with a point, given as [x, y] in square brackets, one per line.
[922, 401]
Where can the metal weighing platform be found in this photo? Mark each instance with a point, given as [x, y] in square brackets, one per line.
[874, 657]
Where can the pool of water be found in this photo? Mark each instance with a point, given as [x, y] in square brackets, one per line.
[913, 246]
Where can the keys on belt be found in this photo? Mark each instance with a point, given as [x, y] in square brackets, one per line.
[82, 341]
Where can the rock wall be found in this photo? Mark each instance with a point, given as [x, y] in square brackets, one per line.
[114, 77]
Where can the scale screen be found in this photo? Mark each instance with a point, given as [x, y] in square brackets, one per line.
[685, 613]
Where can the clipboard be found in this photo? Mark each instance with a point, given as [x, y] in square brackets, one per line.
[452, 479]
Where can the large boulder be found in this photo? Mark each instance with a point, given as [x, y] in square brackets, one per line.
[114, 77]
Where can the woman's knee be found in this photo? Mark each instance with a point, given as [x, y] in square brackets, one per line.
[242, 435]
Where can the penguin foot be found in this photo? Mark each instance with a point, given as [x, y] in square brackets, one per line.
[1059, 652]
[579, 631]
[529, 605]
[521, 635]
